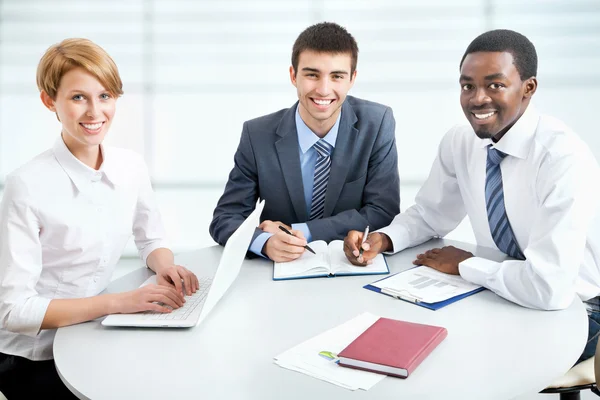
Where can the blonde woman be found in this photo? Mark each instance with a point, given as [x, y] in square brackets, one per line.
[65, 218]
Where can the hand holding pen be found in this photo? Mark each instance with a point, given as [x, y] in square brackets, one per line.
[281, 246]
[290, 233]
[364, 239]
[361, 247]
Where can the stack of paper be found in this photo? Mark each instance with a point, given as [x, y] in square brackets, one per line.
[317, 357]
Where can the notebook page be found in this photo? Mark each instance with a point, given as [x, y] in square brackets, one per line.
[307, 264]
[339, 262]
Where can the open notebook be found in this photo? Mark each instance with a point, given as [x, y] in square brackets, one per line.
[329, 261]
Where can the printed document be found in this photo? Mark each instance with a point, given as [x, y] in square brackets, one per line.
[425, 284]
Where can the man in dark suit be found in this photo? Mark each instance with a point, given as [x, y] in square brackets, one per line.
[325, 166]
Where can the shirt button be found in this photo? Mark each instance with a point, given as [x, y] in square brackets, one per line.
[95, 279]
[100, 209]
[96, 177]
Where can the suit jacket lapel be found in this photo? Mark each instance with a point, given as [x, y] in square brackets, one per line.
[341, 162]
[289, 160]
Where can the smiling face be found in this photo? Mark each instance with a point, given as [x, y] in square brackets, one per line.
[493, 96]
[322, 81]
[85, 109]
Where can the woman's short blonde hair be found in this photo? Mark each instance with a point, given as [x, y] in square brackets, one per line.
[77, 53]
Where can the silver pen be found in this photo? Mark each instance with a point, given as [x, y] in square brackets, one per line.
[364, 239]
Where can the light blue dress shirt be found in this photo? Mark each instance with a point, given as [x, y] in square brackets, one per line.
[308, 160]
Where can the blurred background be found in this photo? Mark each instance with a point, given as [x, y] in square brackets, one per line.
[194, 71]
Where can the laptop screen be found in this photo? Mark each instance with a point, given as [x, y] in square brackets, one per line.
[232, 258]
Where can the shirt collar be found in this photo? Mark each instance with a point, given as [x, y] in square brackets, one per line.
[80, 174]
[307, 138]
[518, 139]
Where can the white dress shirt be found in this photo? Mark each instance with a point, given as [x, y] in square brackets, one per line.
[550, 179]
[63, 227]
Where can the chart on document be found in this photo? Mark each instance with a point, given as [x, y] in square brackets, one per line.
[426, 284]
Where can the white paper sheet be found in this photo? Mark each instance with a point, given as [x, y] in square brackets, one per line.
[425, 284]
[305, 357]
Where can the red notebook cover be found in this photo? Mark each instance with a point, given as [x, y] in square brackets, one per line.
[392, 347]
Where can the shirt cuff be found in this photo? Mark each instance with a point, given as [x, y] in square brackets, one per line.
[28, 319]
[145, 252]
[258, 244]
[303, 227]
[398, 236]
[476, 270]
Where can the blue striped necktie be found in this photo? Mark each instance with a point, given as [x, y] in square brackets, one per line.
[500, 228]
[322, 168]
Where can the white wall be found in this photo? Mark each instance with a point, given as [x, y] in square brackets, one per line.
[195, 70]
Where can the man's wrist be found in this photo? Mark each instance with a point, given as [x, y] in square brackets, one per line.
[264, 248]
[386, 243]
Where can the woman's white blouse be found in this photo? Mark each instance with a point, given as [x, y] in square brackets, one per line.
[63, 227]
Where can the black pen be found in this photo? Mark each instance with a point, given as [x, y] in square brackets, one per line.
[290, 233]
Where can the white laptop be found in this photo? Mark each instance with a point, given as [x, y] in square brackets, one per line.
[212, 288]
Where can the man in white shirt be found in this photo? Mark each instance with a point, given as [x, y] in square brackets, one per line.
[526, 181]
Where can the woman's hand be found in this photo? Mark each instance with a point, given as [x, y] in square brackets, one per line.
[149, 298]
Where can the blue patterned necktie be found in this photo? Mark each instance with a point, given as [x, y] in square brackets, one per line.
[322, 168]
[500, 228]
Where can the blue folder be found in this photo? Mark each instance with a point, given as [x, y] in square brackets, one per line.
[431, 306]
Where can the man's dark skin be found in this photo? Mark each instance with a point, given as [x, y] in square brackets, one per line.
[489, 82]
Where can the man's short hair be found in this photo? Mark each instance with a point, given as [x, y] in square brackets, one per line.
[77, 53]
[326, 37]
[504, 40]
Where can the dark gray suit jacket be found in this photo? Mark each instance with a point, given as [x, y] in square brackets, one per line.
[363, 187]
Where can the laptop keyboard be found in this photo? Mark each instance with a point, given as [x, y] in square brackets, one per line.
[191, 303]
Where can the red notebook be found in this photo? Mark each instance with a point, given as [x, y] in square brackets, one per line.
[392, 347]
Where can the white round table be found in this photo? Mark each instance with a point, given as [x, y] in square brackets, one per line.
[494, 349]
